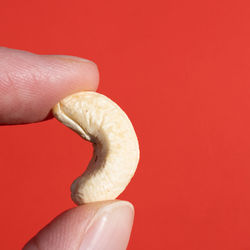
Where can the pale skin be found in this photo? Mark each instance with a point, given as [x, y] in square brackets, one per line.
[41, 81]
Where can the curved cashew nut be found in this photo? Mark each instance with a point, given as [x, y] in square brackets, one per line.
[116, 151]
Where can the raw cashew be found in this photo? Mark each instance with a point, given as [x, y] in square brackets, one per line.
[116, 151]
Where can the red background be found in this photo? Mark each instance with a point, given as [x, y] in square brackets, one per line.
[181, 71]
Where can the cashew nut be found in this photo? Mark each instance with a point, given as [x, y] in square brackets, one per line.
[116, 151]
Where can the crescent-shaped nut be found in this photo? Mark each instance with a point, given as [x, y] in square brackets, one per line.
[116, 151]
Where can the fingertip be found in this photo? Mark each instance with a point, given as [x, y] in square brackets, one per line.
[89, 67]
[31, 84]
[99, 225]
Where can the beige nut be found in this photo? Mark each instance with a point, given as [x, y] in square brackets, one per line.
[116, 151]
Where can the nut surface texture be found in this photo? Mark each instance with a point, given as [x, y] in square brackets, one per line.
[116, 151]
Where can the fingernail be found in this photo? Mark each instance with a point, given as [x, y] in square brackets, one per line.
[72, 58]
[110, 228]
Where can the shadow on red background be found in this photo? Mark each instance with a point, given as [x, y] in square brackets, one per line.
[181, 71]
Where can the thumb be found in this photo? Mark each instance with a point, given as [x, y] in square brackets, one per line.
[99, 225]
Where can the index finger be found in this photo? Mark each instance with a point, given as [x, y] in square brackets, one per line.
[31, 84]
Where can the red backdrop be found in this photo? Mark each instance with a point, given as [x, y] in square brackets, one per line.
[181, 71]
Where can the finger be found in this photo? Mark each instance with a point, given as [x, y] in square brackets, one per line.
[100, 225]
[30, 84]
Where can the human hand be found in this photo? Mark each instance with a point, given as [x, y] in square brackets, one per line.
[30, 85]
